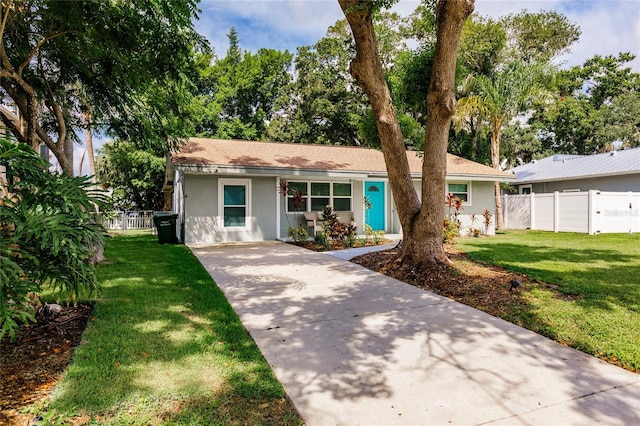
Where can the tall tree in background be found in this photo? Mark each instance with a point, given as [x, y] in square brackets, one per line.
[135, 175]
[324, 104]
[500, 97]
[538, 37]
[241, 92]
[595, 105]
[111, 49]
[421, 221]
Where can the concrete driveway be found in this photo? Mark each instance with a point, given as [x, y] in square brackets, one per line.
[353, 347]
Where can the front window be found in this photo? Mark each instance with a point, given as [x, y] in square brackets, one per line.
[342, 197]
[525, 189]
[460, 190]
[314, 196]
[297, 197]
[234, 202]
[320, 195]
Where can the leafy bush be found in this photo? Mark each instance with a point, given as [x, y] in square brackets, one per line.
[450, 231]
[350, 241]
[321, 238]
[334, 229]
[49, 235]
[376, 236]
[299, 234]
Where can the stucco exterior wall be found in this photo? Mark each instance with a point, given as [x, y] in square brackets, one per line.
[202, 220]
[196, 201]
[481, 199]
[622, 183]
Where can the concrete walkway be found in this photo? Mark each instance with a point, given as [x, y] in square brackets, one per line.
[353, 347]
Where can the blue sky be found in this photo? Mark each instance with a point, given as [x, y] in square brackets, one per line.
[608, 26]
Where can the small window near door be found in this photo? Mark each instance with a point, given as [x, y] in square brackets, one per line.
[460, 190]
[525, 189]
[234, 202]
[341, 197]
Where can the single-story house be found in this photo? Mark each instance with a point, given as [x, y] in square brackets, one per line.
[615, 171]
[228, 190]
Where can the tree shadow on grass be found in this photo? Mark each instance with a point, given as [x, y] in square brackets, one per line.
[598, 277]
[164, 337]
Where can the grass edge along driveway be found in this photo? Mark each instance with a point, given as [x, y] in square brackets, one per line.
[163, 346]
[596, 307]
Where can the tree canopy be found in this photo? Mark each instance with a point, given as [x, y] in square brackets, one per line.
[58, 58]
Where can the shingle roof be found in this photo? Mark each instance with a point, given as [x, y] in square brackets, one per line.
[561, 167]
[252, 154]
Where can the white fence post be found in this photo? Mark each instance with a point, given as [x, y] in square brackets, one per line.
[505, 211]
[593, 212]
[556, 211]
[532, 218]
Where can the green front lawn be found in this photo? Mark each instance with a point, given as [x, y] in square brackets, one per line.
[596, 307]
[164, 346]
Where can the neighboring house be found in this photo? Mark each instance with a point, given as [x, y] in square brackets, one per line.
[227, 190]
[615, 171]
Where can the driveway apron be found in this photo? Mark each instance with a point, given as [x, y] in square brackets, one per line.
[354, 347]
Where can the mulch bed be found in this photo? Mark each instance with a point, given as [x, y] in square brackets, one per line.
[485, 287]
[31, 366]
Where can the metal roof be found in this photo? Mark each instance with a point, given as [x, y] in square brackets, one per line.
[562, 167]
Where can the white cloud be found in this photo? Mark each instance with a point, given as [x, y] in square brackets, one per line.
[608, 26]
[272, 24]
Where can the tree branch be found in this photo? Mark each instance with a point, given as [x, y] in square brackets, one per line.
[38, 46]
[5, 17]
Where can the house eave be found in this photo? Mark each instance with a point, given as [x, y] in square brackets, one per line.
[266, 171]
[204, 169]
[482, 178]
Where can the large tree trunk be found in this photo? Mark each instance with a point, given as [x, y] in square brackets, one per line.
[421, 222]
[366, 68]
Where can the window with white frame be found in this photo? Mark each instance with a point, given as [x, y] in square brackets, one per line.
[234, 206]
[461, 190]
[316, 195]
[525, 189]
[341, 195]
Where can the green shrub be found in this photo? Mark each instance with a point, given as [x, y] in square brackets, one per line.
[299, 234]
[450, 231]
[350, 241]
[375, 236]
[321, 238]
[334, 229]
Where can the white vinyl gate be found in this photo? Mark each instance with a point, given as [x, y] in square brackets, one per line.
[591, 212]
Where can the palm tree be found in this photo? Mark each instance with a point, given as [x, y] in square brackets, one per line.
[498, 98]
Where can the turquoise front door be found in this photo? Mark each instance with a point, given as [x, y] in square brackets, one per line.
[374, 215]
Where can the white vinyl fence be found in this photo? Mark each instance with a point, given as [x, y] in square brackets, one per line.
[128, 220]
[591, 212]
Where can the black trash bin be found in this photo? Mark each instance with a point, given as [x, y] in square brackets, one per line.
[166, 225]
